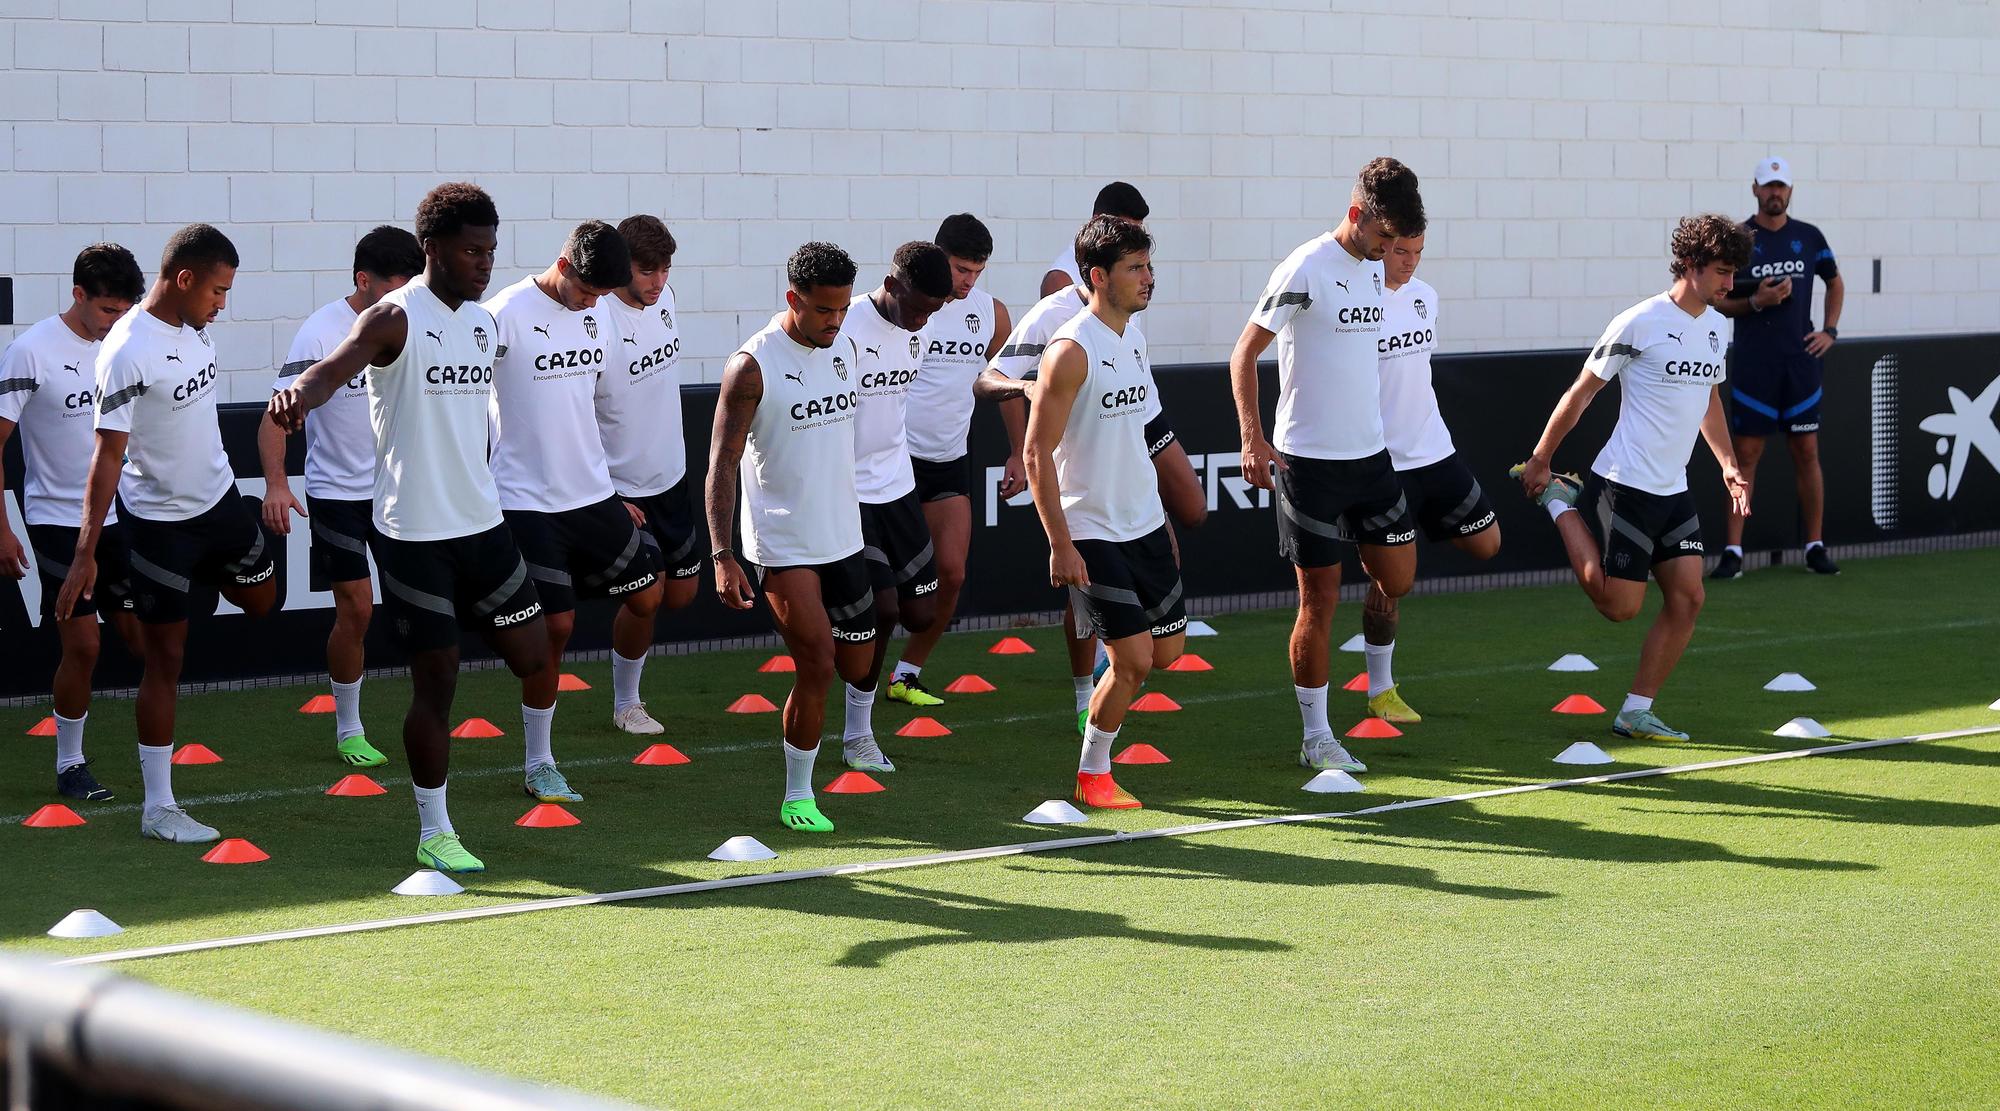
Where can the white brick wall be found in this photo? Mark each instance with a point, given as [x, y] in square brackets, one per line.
[1557, 140]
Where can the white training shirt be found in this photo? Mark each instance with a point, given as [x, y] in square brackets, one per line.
[888, 361]
[1325, 306]
[638, 398]
[1066, 262]
[547, 456]
[1109, 490]
[48, 387]
[157, 381]
[1411, 422]
[427, 412]
[340, 456]
[1021, 356]
[955, 343]
[1666, 361]
[799, 504]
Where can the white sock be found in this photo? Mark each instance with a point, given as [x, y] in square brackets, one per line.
[346, 710]
[1312, 709]
[1085, 687]
[1557, 507]
[799, 771]
[432, 817]
[860, 713]
[1096, 758]
[69, 741]
[625, 680]
[1811, 544]
[1734, 549]
[1635, 702]
[905, 667]
[157, 765]
[535, 725]
[1379, 678]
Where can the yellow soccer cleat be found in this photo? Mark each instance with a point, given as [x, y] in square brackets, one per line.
[1389, 706]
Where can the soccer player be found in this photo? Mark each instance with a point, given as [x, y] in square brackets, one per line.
[788, 402]
[444, 552]
[884, 326]
[1336, 483]
[159, 450]
[1095, 491]
[1115, 199]
[1776, 385]
[639, 423]
[48, 383]
[955, 343]
[579, 538]
[1668, 352]
[340, 478]
[1444, 497]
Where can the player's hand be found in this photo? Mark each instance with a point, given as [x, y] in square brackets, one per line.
[13, 557]
[80, 583]
[732, 584]
[1817, 343]
[1066, 567]
[1258, 459]
[1535, 476]
[1738, 485]
[276, 504]
[1771, 291]
[1013, 477]
[638, 515]
[287, 409]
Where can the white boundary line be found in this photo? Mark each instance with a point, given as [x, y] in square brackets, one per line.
[965, 855]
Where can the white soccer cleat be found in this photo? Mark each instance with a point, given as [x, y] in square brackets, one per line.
[863, 754]
[634, 719]
[1325, 751]
[171, 823]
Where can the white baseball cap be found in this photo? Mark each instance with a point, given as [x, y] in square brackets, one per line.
[1773, 169]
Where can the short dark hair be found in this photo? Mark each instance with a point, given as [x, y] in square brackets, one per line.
[108, 270]
[197, 247]
[963, 236]
[1700, 240]
[648, 240]
[1386, 190]
[453, 207]
[1105, 240]
[1120, 199]
[598, 255]
[923, 267]
[389, 252]
[819, 264]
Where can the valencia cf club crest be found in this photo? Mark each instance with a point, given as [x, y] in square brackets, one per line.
[1798, 246]
[1423, 311]
[666, 318]
[972, 322]
[1378, 282]
[205, 341]
[916, 347]
[479, 337]
[590, 325]
[1715, 343]
[840, 367]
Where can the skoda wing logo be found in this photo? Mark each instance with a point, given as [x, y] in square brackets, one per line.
[840, 367]
[479, 337]
[972, 322]
[1969, 427]
[1423, 311]
[590, 325]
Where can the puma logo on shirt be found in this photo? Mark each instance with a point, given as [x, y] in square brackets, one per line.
[435, 337]
[873, 351]
[1343, 286]
[1675, 336]
[542, 330]
[800, 377]
[71, 367]
[630, 340]
[1108, 364]
[173, 358]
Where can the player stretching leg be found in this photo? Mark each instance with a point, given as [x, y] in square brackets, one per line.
[1668, 351]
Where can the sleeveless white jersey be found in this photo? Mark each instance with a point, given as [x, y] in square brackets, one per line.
[1411, 423]
[955, 343]
[547, 456]
[157, 381]
[339, 461]
[888, 364]
[428, 412]
[639, 398]
[1109, 489]
[48, 387]
[799, 504]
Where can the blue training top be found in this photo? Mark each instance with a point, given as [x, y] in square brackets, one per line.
[1797, 251]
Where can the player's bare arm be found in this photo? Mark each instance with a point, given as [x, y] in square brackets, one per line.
[1258, 454]
[13, 557]
[1064, 369]
[1568, 411]
[377, 338]
[1715, 430]
[107, 456]
[1818, 342]
[742, 389]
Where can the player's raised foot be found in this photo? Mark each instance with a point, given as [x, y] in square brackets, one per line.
[1325, 752]
[863, 754]
[171, 823]
[545, 784]
[635, 720]
[910, 690]
[1729, 566]
[1644, 725]
[803, 815]
[356, 752]
[1820, 563]
[1389, 706]
[1562, 487]
[1098, 789]
[444, 852]
[76, 782]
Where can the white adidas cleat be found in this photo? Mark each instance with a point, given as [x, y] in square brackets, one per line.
[635, 720]
[171, 823]
[863, 754]
[1325, 751]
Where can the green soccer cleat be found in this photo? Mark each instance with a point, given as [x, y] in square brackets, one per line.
[1644, 725]
[443, 852]
[1389, 706]
[908, 689]
[803, 815]
[545, 784]
[1083, 723]
[1564, 487]
[356, 752]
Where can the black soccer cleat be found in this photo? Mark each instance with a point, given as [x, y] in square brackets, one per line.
[1820, 563]
[1730, 566]
[76, 782]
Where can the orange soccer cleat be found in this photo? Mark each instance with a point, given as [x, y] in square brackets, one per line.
[1098, 789]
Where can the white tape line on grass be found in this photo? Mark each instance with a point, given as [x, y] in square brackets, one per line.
[965, 855]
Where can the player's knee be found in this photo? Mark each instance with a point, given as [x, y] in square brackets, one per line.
[920, 614]
[815, 667]
[1482, 545]
[888, 612]
[951, 579]
[679, 593]
[1396, 584]
[351, 618]
[259, 601]
[644, 603]
[1805, 450]
[1619, 609]
[1686, 604]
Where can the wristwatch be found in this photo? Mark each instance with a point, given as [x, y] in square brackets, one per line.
[1831, 332]
[716, 555]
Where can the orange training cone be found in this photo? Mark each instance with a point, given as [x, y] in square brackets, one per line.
[924, 727]
[43, 728]
[968, 684]
[660, 755]
[53, 816]
[1578, 704]
[1358, 683]
[1190, 662]
[195, 754]
[854, 783]
[1374, 727]
[752, 704]
[569, 682]
[234, 850]
[1141, 754]
[1155, 703]
[548, 815]
[477, 727]
[318, 704]
[778, 664]
[356, 786]
[1011, 646]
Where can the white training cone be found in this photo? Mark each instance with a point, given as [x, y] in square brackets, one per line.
[85, 923]
[1333, 781]
[427, 882]
[742, 847]
[1996, 705]
[1573, 662]
[1054, 812]
[1354, 644]
[1583, 752]
[1802, 727]
[1790, 681]
[1201, 629]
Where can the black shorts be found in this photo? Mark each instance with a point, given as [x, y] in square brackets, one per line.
[1135, 587]
[340, 531]
[1636, 529]
[846, 593]
[55, 545]
[433, 588]
[896, 542]
[1777, 393]
[1325, 505]
[592, 551]
[1158, 435]
[222, 545]
[938, 481]
[1446, 500]
[671, 532]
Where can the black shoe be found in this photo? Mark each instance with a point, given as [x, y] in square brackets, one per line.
[1820, 563]
[1730, 566]
[76, 782]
